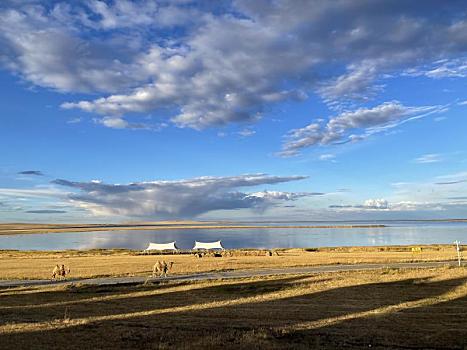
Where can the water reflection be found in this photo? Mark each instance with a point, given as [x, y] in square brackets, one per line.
[395, 234]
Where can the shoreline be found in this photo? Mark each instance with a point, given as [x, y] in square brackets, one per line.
[336, 249]
[16, 228]
[6, 230]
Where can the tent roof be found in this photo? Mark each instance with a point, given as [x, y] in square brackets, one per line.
[208, 245]
[162, 246]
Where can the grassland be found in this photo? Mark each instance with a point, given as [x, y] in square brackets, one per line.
[384, 309]
[100, 263]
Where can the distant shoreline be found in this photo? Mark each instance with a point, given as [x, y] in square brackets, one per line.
[35, 228]
[17, 229]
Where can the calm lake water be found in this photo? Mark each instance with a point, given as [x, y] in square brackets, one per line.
[394, 234]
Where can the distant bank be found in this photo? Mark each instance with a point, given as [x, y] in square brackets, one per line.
[26, 228]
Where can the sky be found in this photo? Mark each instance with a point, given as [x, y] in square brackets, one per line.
[237, 110]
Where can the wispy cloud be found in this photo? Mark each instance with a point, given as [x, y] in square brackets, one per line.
[31, 172]
[327, 156]
[32, 192]
[353, 126]
[429, 158]
[74, 120]
[246, 132]
[45, 211]
[121, 123]
[452, 179]
[446, 68]
[453, 182]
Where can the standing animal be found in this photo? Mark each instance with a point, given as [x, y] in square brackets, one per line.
[56, 272]
[64, 272]
[162, 267]
[60, 272]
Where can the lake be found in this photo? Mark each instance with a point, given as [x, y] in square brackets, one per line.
[395, 233]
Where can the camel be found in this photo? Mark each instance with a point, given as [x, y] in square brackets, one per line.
[56, 272]
[163, 267]
[60, 272]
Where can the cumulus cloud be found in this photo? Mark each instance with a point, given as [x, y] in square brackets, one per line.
[368, 204]
[353, 126]
[376, 204]
[179, 199]
[402, 206]
[201, 67]
[31, 172]
[114, 123]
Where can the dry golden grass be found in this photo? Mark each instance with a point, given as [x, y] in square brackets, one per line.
[384, 309]
[86, 264]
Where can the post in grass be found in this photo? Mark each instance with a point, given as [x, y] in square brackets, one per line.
[458, 249]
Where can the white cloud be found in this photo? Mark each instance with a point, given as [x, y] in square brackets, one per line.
[353, 126]
[121, 123]
[114, 122]
[328, 156]
[357, 84]
[246, 132]
[224, 64]
[74, 120]
[32, 192]
[446, 68]
[376, 204]
[402, 206]
[369, 204]
[180, 199]
[428, 158]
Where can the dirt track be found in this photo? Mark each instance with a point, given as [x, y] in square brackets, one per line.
[226, 274]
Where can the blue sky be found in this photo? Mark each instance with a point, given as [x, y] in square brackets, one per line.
[285, 110]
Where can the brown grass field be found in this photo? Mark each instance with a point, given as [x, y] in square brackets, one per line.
[100, 263]
[382, 309]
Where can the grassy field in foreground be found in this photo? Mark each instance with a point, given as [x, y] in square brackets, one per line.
[32, 265]
[383, 309]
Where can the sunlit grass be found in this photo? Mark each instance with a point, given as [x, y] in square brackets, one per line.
[86, 264]
[268, 309]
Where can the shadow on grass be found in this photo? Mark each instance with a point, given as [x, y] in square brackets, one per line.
[94, 301]
[258, 324]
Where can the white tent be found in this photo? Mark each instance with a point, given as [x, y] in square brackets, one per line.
[208, 245]
[162, 246]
